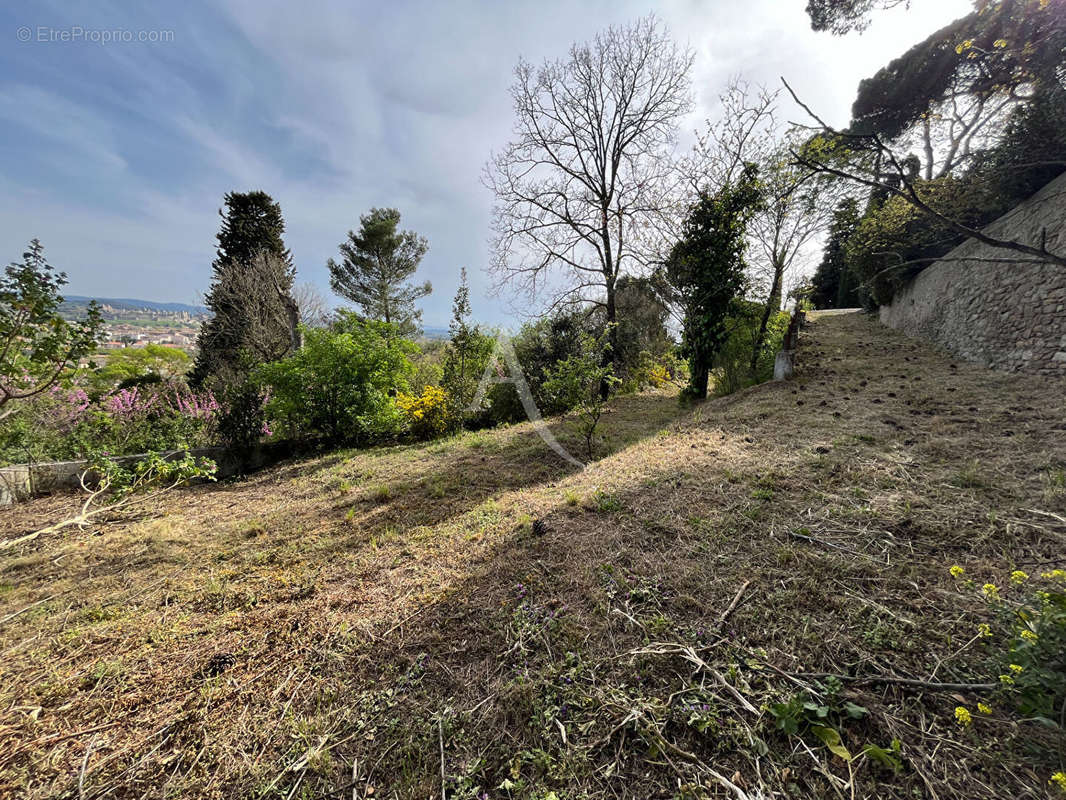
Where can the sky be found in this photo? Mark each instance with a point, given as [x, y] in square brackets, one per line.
[122, 125]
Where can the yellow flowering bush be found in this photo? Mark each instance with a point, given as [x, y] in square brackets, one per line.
[1059, 779]
[426, 415]
[963, 716]
[1033, 673]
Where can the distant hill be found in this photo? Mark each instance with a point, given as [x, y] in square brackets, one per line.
[129, 304]
[431, 332]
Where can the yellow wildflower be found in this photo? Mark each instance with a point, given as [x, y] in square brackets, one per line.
[1029, 636]
[963, 716]
[1055, 574]
[991, 591]
[957, 571]
[1043, 5]
[1006, 680]
[1017, 669]
[999, 44]
[983, 630]
[984, 709]
[1018, 577]
[1059, 778]
[966, 45]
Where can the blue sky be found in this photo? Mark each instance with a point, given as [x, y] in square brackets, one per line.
[117, 154]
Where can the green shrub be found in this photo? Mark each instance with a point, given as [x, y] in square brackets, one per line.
[338, 385]
[732, 366]
[576, 383]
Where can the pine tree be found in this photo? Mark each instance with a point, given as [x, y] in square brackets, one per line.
[834, 283]
[375, 267]
[250, 294]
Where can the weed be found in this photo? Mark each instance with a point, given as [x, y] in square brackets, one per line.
[605, 502]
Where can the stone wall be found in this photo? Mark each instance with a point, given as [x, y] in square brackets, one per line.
[24, 481]
[1008, 316]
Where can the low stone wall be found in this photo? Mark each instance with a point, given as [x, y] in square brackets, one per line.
[24, 481]
[1005, 315]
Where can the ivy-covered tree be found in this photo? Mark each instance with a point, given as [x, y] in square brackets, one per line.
[375, 267]
[707, 270]
[254, 314]
[37, 345]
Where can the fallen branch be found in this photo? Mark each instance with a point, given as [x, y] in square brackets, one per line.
[732, 606]
[861, 680]
[14, 614]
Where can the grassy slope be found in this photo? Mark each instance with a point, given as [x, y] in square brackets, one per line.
[368, 620]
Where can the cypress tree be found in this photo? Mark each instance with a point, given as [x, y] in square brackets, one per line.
[250, 294]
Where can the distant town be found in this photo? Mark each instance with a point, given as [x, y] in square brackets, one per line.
[135, 323]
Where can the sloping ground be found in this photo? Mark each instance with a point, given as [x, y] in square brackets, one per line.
[475, 616]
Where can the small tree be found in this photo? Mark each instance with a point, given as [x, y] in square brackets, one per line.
[375, 267]
[36, 344]
[576, 383]
[468, 351]
[707, 271]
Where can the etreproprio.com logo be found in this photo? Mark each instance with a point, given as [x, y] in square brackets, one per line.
[77, 34]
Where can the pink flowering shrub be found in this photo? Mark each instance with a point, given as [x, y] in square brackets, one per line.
[66, 423]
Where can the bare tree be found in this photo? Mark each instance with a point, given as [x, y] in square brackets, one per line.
[588, 175]
[312, 304]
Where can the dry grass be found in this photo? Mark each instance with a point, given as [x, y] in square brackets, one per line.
[369, 620]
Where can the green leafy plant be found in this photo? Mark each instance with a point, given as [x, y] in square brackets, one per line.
[801, 715]
[37, 346]
[337, 385]
[1033, 654]
[577, 383]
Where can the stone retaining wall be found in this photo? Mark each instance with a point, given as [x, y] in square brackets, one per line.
[1008, 316]
[24, 481]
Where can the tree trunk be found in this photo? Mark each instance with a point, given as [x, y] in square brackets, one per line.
[610, 355]
[773, 304]
[699, 380]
